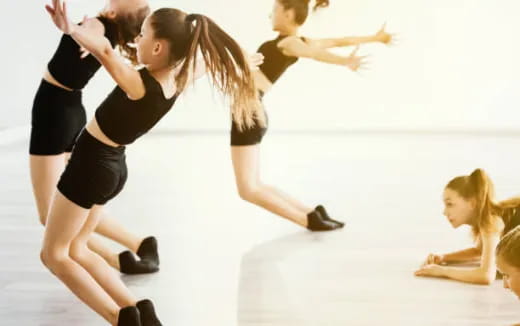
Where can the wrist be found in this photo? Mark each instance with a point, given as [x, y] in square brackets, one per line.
[346, 61]
[442, 259]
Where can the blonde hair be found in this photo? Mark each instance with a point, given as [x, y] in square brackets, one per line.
[509, 247]
[478, 186]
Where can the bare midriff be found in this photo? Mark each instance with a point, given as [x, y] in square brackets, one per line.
[262, 83]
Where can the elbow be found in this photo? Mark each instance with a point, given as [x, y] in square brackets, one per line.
[485, 281]
[486, 278]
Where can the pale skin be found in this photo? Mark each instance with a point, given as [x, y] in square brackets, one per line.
[69, 226]
[460, 211]
[246, 159]
[511, 276]
[47, 169]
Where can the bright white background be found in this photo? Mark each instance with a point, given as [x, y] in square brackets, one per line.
[455, 66]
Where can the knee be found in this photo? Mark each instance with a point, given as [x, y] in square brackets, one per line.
[248, 191]
[43, 219]
[53, 259]
[78, 251]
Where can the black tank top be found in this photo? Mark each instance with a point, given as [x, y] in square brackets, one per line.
[124, 120]
[67, 67]
[275, 62]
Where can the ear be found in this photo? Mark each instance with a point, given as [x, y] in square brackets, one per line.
[289, 14]
[158, 47]
[473, 203]
[111, 14]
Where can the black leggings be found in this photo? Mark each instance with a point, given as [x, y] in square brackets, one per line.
[95, 174]
[58, 116]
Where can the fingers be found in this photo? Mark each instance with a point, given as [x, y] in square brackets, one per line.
[49, 10]
[56, 6]
[64, 9]
[84, 53]
[353, 53]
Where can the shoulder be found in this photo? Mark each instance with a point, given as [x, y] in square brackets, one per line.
[151, 85]
[494, 232]
[289, 41]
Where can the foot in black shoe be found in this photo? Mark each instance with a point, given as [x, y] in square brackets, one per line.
[129, 265]
[148, 250]
[129, 316]
[147, 313]
[316, 223]
[323, 212]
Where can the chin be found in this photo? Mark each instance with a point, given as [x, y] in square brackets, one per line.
[454, 225]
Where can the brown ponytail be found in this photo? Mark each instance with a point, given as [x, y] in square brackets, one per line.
[225, 62]
[321, 4]
[485, 193]
[301, 8]
[127, 26]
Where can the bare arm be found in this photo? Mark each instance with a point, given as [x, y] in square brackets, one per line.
[465, 255]
[125, 76]
[295, 47]
[484, 274]
[326, 43]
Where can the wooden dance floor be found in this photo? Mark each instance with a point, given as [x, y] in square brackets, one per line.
[226, 262]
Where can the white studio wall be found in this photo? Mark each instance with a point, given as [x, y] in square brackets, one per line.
[455, 66]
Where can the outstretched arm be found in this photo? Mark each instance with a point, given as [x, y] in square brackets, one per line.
[296, 47]
[381, 36]
[460, 256]
[125, 76]
[484, 274]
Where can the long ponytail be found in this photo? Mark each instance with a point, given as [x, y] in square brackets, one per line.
[486, 207]
[225, 61]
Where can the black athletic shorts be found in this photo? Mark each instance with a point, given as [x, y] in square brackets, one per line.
[95, 173]
[58, 116]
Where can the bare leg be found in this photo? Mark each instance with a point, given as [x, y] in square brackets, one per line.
[114, 230]
[65, 222]
[247, 174]
[45, 173]
[97, 266]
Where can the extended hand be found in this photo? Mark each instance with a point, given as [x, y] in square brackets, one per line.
[58, 13]
[433, 259]
[354, 62]
[431, 270]
[384, 37]
[255, 60]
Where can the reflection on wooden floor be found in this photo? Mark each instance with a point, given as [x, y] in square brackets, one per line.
[225, 262]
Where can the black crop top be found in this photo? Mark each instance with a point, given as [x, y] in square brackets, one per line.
[275, 62]
[124, 120]
[67, 67]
